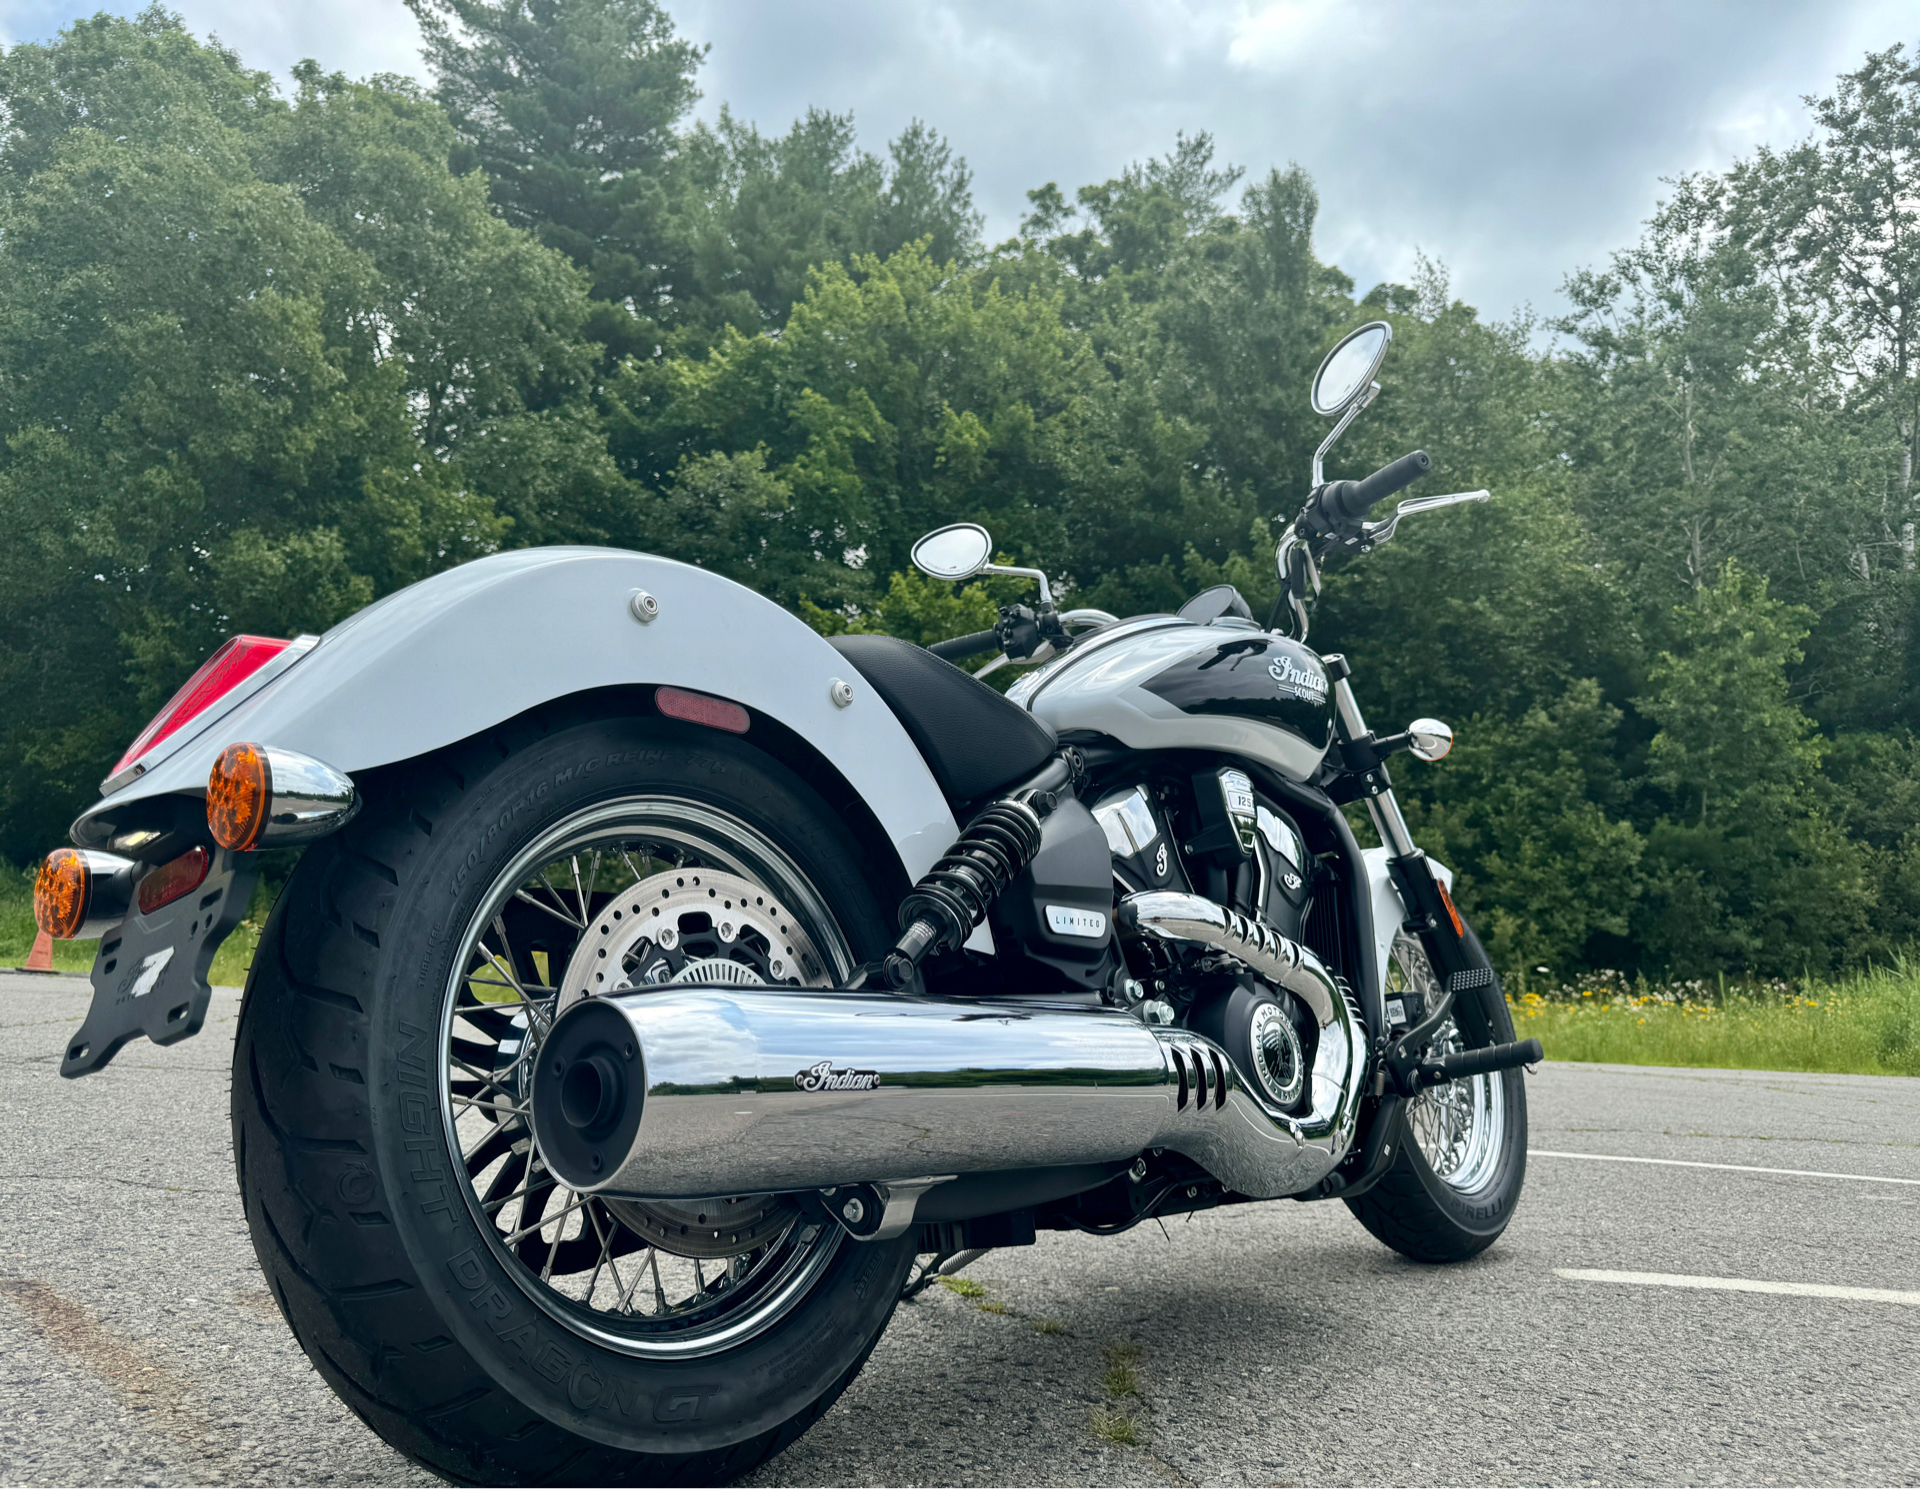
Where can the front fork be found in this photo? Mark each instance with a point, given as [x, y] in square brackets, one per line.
[1468, 985]
[1457, 961]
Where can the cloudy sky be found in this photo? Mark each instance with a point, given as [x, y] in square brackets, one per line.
[1511, 141]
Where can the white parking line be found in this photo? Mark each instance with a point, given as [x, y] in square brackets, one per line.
[1737, 1168]
[1742, 1285]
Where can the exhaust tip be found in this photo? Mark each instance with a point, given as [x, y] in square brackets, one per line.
[588, 1091]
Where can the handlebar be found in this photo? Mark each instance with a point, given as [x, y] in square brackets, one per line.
[956, 647]
[1343, 503]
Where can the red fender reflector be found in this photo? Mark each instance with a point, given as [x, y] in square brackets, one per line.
[698, 708]
[174, 878]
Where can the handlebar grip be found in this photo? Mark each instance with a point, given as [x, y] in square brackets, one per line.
[1353, 498]
[955, 647]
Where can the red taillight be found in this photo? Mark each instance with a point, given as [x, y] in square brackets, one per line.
[220, 674]
[172, 879]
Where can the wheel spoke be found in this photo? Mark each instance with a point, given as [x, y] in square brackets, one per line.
[495, 1104]
[502, 1006]
[573, 863]
[560, 914]
[498, 1143]
[544, 1220]
[532, 1186]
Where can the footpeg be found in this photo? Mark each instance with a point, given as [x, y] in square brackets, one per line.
[1459, 1066]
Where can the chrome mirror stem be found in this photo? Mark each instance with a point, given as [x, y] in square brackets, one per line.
[1352, 413]
[1046, 593]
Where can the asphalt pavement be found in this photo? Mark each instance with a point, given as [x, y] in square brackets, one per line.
[1266, 1344]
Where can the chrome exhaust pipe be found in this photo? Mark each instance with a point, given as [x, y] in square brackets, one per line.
[691, 1092]
[1164, 918]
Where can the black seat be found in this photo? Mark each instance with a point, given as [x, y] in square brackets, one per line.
[972, 739]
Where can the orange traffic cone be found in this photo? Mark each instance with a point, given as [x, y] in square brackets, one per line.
[40, 959]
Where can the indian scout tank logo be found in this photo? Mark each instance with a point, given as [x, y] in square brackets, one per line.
[823, 1077]
[1298, 681]
[1266, 678]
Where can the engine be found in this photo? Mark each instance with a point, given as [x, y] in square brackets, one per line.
[1215, 887]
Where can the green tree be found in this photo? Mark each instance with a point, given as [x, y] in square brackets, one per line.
[259, 363]
[1745, 870]
[763, 211]
[902, 394]
[571, 108]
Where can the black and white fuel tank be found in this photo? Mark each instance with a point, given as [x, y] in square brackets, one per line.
[1164, 683]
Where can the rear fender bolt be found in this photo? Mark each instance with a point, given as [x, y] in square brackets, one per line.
[853, 1211]
[840, 692]
[643, 606]
[1138, 1171]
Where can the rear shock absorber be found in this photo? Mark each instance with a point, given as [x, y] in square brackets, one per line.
[953, 896]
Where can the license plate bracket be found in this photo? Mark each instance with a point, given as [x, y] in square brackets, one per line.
[150, 974]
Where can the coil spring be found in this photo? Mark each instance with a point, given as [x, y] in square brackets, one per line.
[956, 892]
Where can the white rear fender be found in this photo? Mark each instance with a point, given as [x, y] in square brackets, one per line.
[451, 656]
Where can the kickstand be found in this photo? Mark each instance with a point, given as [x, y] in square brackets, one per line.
[929, 1274]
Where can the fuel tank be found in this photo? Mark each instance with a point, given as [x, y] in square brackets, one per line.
[1163, 683]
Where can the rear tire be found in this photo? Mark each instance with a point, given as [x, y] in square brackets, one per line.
[372, 1218]
[1453, 1187]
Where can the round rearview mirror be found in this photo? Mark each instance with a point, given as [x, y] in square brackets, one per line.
[1350, 367]
[957, 552]
[1429, 739]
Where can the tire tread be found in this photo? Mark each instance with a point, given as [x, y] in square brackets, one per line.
[392, 1364]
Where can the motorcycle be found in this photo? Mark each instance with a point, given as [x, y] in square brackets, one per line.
[663, 990]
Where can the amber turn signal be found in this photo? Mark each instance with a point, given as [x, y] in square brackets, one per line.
[239, 794]
[60, 894]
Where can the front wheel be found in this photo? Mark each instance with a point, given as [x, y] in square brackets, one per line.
[1453, 1186]
[478, 1315]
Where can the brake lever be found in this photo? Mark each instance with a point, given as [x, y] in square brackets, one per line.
[1373, 534]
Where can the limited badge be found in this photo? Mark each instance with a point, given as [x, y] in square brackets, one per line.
[1065, 920]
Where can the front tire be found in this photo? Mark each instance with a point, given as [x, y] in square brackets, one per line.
[486, 1322]
[1453, 1187]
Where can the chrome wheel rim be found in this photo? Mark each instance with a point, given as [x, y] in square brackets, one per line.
[1460, 1126]
[670, 1281]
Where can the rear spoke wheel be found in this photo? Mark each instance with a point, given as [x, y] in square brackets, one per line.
[628, 895]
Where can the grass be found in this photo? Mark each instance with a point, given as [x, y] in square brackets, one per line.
[1116, 1426]
[1049, 1326]
[966, 1287]
[1865, 1024]
[1121, 1421]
